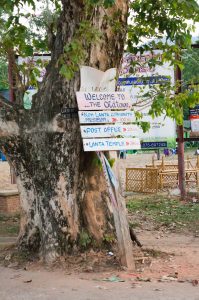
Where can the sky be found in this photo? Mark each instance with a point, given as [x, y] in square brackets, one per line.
[40, 3]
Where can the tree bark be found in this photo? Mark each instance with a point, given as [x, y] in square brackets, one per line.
[63, 193]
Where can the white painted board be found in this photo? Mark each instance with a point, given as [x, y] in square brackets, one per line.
[109, 144]
[100, 117]
[93, 80]
[103, 100]
[195, 125]
[95, 131]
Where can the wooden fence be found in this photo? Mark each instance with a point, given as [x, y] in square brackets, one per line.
[143, 180]
[160, 175]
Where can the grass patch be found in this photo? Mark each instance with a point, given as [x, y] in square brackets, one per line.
[157, 253]
[134, 225]
[9, 225]
[166, 211]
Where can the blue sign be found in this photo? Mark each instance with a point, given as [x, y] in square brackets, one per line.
[150, 80]
[152, 145]
[2, 156]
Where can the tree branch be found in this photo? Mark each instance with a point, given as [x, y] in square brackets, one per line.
[8, 128]
[5, 103]
[8, 116]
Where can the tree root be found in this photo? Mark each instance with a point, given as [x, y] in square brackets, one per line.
[134, 237]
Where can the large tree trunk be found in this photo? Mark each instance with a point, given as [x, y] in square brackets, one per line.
[62, 191]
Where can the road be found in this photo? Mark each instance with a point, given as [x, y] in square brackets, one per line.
[45, 285]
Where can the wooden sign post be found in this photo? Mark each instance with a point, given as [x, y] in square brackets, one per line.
[95, 108]
[120, 219]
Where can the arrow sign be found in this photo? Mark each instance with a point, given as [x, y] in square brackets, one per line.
[94, 131]
[99, 117]
[103, 100]
[110, 144]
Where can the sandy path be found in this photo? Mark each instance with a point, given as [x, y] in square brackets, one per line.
[44, 285]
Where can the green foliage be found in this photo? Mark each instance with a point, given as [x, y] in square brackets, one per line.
[144, 125]
[104, 3]
[84, 239]
[190, 76]
[108, 3]
[14, 36]
[134, 224]
[3, 75]
[111, 161]
[164, 211]
[24, 33]
[157, 24]
[9, 225]
[155, 19]
[163, 25]
[109, 239]
[96, 162]
[190, 73]
[75, 52]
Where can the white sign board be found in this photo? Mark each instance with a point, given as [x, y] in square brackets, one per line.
[142, 82]
[93, 80]
[110, 144]
[103, 100]
[195, 125]
[99, 117]
[94, 131]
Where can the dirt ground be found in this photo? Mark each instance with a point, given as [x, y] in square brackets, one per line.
[167, 267]
[44, 285]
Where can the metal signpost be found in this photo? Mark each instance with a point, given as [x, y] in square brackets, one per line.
[95, 108]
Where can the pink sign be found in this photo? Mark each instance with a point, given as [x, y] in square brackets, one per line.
[103, 101]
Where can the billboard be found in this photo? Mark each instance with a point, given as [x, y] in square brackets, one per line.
[144, 78]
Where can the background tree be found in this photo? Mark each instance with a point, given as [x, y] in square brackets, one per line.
[62, 192]
[190, 74]
[164, 25]
[191, 66]
[63, 195]
[3, 74]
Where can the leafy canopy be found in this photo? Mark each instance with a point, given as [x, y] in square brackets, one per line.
[153, 24]
[164, 25]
